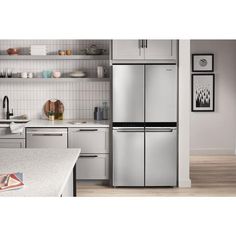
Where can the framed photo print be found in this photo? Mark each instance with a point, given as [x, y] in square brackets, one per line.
[202, 62]
[203, 92]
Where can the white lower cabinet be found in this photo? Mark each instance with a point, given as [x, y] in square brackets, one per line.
[93, 163]
[93, 167]
[12, 143]
[90, 140]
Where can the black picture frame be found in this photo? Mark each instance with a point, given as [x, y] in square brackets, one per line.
[204, 56]
[199, 107]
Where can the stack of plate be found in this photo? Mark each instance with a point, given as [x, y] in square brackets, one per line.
[38, 50]
[78, 74]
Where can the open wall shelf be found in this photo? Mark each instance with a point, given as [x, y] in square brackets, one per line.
[54, 57]
[53, 79]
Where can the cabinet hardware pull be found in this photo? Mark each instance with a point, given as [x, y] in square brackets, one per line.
[47, 134]
[92, 156]
[88, 130]
[140, 43]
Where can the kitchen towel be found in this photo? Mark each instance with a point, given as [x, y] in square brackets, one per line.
[16, 128]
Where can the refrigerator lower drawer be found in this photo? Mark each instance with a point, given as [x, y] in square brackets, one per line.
[92, 167]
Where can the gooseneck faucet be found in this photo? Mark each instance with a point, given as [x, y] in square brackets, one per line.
[8, 113]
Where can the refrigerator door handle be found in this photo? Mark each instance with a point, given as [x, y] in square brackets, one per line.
[131, 130]
[159, 129]
[128, 129]
[140, 45]
[145, 43]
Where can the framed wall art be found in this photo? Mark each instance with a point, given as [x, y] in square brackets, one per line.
[203, 92]
[202, 62]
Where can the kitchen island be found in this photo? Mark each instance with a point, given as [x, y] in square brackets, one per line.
[46, 172]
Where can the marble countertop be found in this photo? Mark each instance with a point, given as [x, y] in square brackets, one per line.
[45, 171]
[67, 123]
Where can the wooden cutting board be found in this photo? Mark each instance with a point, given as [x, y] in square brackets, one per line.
[55, 106]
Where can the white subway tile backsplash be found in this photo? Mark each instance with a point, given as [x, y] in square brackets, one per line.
[29, 98]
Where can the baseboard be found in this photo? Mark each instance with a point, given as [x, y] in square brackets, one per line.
[185, 183]
[211, 151]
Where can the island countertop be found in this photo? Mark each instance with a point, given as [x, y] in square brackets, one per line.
[45, 171]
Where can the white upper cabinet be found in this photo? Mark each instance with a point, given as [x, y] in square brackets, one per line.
[144, 49]
[127, 49]
[160, 49]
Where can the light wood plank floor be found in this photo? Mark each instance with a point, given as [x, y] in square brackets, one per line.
[210, 175]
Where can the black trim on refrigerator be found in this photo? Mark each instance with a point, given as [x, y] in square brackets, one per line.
[160, 124]
[128, 124]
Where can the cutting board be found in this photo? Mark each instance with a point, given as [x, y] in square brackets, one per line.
[55, 106]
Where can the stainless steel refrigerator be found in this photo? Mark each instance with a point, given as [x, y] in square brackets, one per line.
[144, 119]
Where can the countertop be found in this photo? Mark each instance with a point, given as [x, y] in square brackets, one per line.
[66, 123]
[45, 171]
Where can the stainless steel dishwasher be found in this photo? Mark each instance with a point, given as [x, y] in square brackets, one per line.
[46, 138]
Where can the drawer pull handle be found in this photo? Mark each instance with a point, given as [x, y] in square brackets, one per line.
[47, 134]
[90, 156]
[88, 130]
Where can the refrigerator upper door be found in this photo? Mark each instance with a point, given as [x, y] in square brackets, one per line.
[161, 93]
[161, 157]
[128, 157]
[128, 93]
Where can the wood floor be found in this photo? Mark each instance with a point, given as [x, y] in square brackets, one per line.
[210, 176]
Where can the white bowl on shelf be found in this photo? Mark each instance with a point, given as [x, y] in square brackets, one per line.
[77, 74]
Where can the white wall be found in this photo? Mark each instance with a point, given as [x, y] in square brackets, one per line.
[215, 132]
[184, 110]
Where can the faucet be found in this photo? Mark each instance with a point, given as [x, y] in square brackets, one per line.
[8, 114]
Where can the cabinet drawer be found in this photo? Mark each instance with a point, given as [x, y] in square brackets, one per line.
[12, 143]
[46, 138]
[6, 133]
[93, 166]
[90, 140]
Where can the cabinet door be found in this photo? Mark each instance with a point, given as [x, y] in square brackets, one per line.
[160, 49]
[12, 143]
[90, 140]
[127, 49]
[93, 166]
